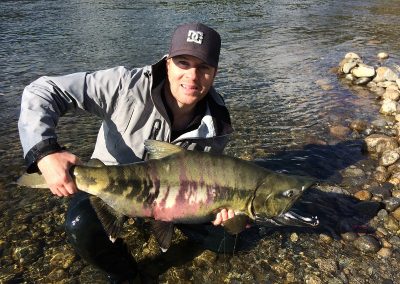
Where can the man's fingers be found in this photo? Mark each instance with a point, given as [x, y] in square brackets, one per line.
[231, 213]
[218, 219]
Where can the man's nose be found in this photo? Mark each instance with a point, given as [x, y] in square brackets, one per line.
[192, 73]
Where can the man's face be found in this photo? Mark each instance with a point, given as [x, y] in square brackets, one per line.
[189, 79]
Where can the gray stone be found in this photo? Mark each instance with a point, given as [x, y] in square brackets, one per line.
[367, 243]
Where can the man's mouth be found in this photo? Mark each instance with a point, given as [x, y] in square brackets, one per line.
[189, 87]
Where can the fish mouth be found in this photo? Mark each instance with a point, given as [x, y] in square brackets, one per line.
[291, 218]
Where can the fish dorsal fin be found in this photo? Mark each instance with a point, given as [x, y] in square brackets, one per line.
[160, 149]
[236, 224]
[163, 232]
[96, 163]
[111, 220]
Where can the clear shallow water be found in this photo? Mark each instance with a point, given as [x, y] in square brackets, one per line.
[273, 54]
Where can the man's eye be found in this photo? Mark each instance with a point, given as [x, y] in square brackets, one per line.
[183, 63]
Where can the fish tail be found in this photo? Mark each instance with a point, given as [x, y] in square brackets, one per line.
[34, 180]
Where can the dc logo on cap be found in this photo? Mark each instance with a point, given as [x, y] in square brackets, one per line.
[195, 36]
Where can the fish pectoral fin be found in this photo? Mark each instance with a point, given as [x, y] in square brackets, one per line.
[160, 149]
[96, 163]
[163, 232]
[236, 224]
[111, 220]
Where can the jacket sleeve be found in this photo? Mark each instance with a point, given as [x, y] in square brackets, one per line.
[45, 100]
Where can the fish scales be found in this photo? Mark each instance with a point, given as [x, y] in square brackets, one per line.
[176, 187]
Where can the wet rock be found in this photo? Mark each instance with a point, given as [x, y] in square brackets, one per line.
[339, 131]
[312, 279]
[352, 55]
[58, 276]
[385, 252]
[363, 70]
[389, 157]
[395, 241]
[379, 123]
[349, 236]
[381, 174]
[348, 65]
[386, 84]
[362, 81]
[391, 203]
[353, 171]
[395, 179]
[327, 265]
[350, 77]
[63, 259]
[385, 74]
[294, 237]
[207, 258]
[396, 193]
[391, 224]
[396, 214]
[367, 243]
[391, 94]
[388, 107]
[363, 195]
[383, 55]
[358, 125]
[378, 143]
[26, 253]
[383, 191]
[325, 238]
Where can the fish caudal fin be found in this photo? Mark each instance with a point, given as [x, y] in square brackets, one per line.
[163, 232]
[111, 220]
[34, 180]
[159, 149]
[237, 224]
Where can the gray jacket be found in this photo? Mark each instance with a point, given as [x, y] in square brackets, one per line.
[131, 106]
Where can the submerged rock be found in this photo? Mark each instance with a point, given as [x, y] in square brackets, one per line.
[367, 243]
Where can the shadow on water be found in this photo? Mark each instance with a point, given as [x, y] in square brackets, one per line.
[322, 162]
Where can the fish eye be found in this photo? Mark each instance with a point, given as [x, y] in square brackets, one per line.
[288, 193]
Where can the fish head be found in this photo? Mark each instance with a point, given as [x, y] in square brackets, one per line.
[276, 195]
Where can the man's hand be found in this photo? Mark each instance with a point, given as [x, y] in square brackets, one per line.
[55, 169]
[223, 216]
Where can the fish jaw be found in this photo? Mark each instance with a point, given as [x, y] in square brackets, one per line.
[277, 194]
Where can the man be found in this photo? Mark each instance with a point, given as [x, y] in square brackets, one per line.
[172, 100]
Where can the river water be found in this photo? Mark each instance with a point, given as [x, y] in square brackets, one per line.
[275, 68]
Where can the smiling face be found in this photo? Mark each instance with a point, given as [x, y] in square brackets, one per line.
[189, 79]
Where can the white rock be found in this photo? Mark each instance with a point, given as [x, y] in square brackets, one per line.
[385, 74]
[383, 55]
[398, 83]
[386, 84]
[363, 70]
[352, 55]
[389, 157]
[349, 77]
[391, 94]
[348, 66]
[388, 107]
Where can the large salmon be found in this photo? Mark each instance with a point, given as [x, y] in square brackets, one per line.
[180, 186]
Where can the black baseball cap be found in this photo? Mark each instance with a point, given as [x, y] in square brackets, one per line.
[198, 40]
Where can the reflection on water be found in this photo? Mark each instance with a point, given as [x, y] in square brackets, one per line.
[273, 54]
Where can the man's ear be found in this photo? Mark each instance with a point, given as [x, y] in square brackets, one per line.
[167, 63]
[216, 71]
